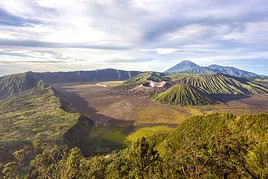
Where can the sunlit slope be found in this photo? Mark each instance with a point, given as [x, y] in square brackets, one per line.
[34, 114]
[223, 84]
[217, 141]
[183, 95]
[203, 128]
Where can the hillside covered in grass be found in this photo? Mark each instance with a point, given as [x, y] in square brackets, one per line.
[208, 89]
[183, 95]
[223, 84]
[33, 115]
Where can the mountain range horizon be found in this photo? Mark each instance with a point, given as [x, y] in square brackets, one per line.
[184, 66]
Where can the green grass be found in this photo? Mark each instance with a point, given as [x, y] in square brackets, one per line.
[222, 84]
[34, 114]
[184, 95]
[102, 139]
[113, 134]
[148, 132]
[207, 89]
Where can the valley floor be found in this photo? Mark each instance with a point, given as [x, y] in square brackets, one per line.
[103, 104]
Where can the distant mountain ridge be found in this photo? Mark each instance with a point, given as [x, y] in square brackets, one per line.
[232, 71]
[14, 84]
[187, 66]
[190, 67]
[85, 76]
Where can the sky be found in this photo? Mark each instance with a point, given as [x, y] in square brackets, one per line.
[67, 35]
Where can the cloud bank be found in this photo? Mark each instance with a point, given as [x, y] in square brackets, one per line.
[62, 35]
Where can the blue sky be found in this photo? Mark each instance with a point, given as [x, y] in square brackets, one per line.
[63, 35]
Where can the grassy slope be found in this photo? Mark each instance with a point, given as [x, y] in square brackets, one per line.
[201, 129]
[183, 95]
[222, 84]
[263, 82]
[101, 139]
[148, 132]
[34, 114]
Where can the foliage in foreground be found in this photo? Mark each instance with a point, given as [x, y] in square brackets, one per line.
[212, 146]
[30, 116]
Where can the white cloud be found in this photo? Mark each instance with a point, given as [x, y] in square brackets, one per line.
[110, 33]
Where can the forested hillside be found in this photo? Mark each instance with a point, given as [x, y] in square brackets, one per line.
[212, 146]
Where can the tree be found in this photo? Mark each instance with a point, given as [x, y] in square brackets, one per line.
[10, 170]
[71, 168]
[20, 155]
[258, 160]
[46, 164]
[226, 153]
[145, 160]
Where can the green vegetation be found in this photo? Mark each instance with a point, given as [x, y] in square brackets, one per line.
[29, 118]
[198, 89]
[143, 78]
[34, 114]
[41, 138]
[219, 145]
[183, 95]
[110, 134]
[102, 139]
[222, 84]
[207, 89]
[212, 146]
[148, 132]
